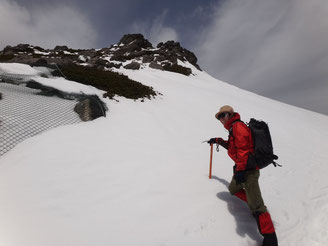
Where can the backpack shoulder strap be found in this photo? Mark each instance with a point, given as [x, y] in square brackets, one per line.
[230, 131]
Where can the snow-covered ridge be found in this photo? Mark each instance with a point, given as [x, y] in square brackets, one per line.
[132, 52]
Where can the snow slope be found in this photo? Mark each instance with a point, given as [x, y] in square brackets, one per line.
[140, 176]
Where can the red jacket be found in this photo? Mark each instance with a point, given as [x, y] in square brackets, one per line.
[240, 142]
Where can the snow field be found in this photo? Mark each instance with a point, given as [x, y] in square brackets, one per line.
[140, 176]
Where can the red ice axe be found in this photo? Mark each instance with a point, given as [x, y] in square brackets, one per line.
[211, 157]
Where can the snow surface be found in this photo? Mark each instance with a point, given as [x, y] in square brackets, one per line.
[140, 176]
[58, 83]
[68, 86]
[17, 68]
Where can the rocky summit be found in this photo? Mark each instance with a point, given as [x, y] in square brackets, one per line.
[133, 51]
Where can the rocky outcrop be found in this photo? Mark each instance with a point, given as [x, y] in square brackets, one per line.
[90, 108]
[135, 42]
[133, 66]
[61, 48]
[83, 110]
[133, 51]
[19, 49]
[155, 65]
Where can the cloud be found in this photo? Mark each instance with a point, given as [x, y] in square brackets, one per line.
[47, 26]
[156, 32]
[277, 48]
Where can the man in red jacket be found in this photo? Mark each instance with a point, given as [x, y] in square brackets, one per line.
[244, 183]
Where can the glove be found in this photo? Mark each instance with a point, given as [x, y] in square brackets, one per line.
[240, 177]
[212, 141]
[223, 143]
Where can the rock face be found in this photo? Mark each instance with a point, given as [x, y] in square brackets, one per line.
[90, 108]
[83, 110]
[173, 49]
[133, 65]
[133, 51]
[135, 40]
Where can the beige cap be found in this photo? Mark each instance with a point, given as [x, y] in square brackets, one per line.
[224, 109]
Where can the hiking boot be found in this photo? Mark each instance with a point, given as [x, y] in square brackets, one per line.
[270, 239]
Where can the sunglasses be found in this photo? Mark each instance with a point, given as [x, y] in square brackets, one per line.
[222, 115]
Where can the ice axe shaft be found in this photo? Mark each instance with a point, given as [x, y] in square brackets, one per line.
[211, 157]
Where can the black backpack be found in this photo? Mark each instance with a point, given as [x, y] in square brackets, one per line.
[263, 149]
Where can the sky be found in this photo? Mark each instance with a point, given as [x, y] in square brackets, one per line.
[276, 48]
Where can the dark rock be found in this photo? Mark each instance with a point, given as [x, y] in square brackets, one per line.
[100, 61]
[133, 66]
[8, 50]
[147, 58]
[155, 65]
[24, 47]
[178, 69]
[6, 58]
[98, 107]
[160, 58]
[132, 47]
[83, 110]
[100, 67]
[88, 53]
[61, 48]
[60, 60]
[119, 57]
[39, 48]
[116, 65]
[40, 63]
[25, 59]
[137, 39]
[175, 49]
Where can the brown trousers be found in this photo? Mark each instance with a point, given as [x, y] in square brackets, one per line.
[252, 189]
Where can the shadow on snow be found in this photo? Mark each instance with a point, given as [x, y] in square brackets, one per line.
[245, 223]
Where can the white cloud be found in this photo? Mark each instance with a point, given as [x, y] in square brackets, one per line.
[275, 47]
[46, 27]
[156, 31]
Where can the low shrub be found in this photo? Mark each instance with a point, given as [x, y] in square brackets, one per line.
[111, 82]
[4, 58]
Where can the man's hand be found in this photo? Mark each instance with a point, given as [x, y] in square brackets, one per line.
[212, 141]
[223, 143]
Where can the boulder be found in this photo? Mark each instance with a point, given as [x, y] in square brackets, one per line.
[40, 62]
[174, 49]
[133, 66]
[25, 48]
[100, 61]
[147, 58]
[155, 65]
[25, 59]
[136, 39]
[90, 108]
[83, 110]
[61, 48]
[115, 65]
